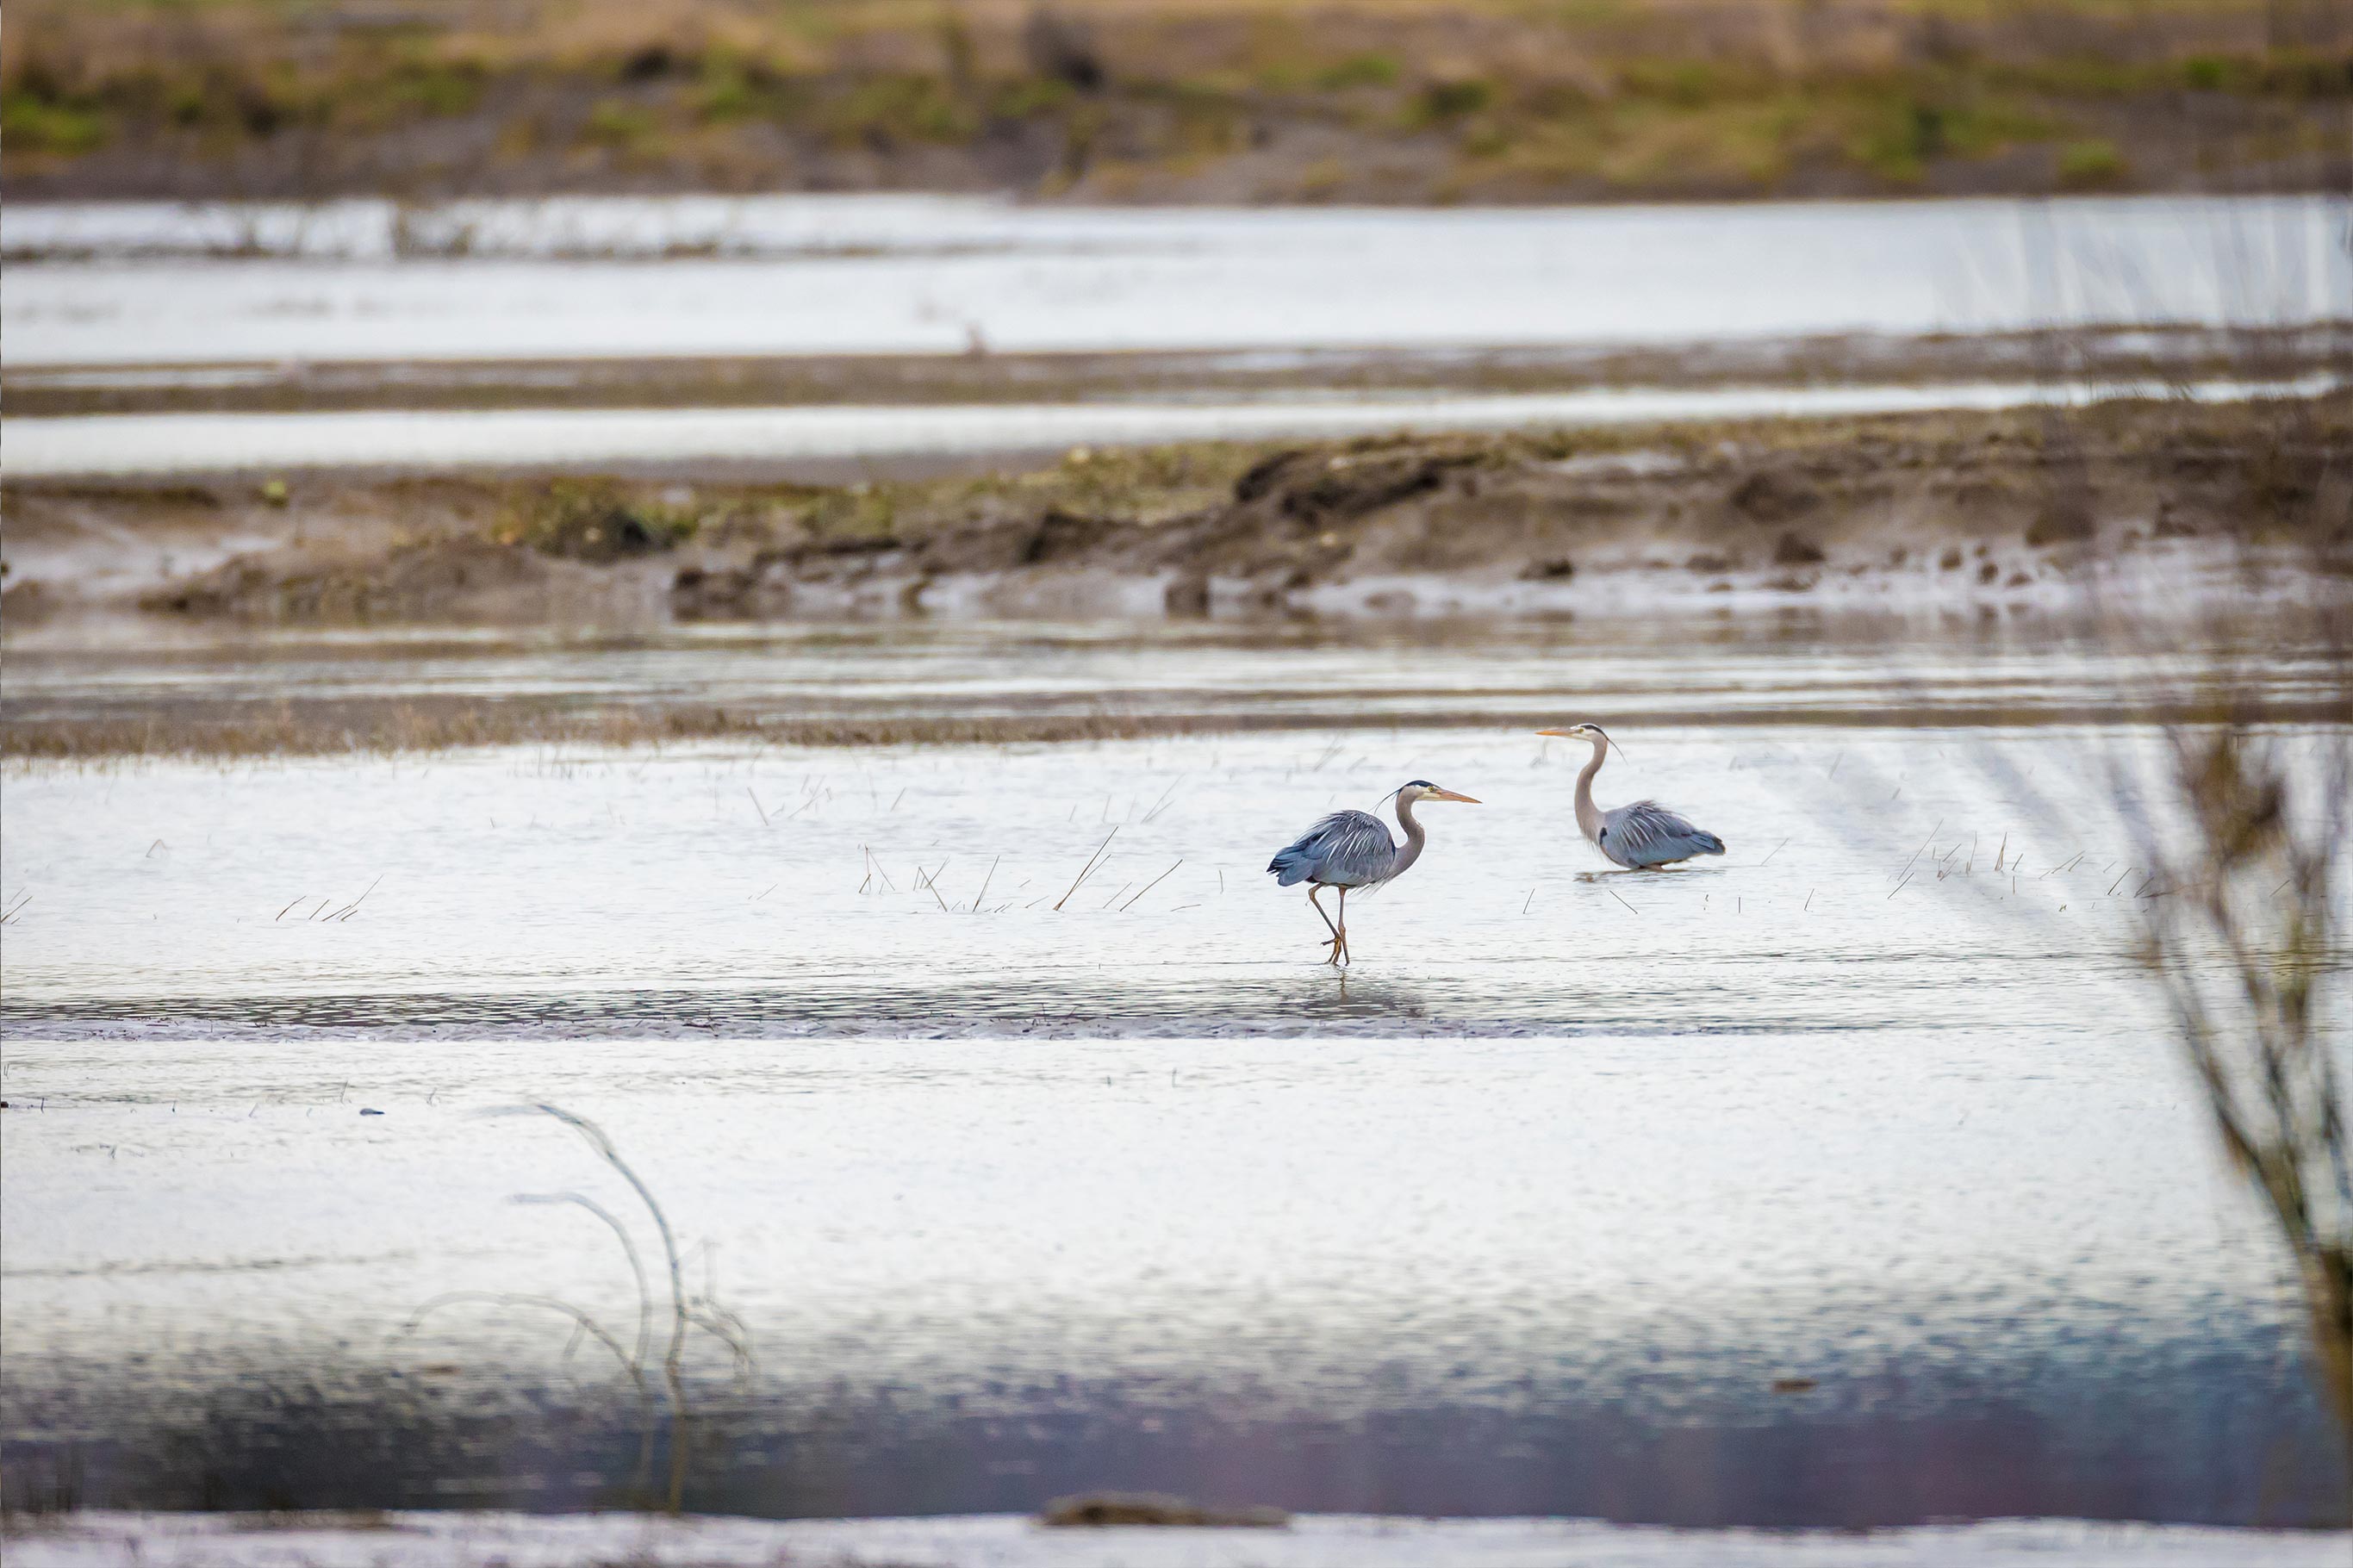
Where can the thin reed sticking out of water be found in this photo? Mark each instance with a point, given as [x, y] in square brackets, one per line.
[1152, 884]
[686, 1313]
[1088, 870]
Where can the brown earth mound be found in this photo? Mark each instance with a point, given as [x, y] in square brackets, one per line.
[1532, 522]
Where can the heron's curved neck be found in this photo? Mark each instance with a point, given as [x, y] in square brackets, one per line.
[1588, 815]
[1411, 850]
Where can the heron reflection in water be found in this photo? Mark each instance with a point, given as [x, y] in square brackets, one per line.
[1641, 836]
[1350, 849]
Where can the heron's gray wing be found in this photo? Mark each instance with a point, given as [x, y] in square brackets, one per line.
[1648, 834]
[1347, 850]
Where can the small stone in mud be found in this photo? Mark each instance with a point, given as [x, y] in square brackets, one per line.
[1551, 571]
[2060, 525]
[1794, 551]
[1101, 1510]
[1768, 497]
[1952, 559]
[1988, 573]
[1795, 1384]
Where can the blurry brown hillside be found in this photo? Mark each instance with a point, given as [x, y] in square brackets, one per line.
[1380, 101]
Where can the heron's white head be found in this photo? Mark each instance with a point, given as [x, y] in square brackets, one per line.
[1592, 732]
[1422, 789]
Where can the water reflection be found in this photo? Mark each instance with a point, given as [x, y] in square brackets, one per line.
[308, 1439]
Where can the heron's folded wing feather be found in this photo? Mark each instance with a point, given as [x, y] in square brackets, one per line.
[1349, 848]
[1647, 833]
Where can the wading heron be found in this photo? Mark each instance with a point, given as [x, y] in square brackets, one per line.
[1353, 849]
[1640, 836]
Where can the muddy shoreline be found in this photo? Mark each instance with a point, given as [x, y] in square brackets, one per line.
[1949, 508]
[2143, 505]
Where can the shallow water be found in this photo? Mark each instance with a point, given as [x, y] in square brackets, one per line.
[920, 274]
[1527, 1213]
[186, 443]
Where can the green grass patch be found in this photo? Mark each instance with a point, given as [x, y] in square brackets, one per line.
[1444, 102]
[898, 108]
[622, 126]
[595, 520]
[40, 125]
[1372, 68]
[436, 88]
[2090, 164]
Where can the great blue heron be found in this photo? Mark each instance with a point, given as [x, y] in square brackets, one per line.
[1640, 836]
[1353, 849]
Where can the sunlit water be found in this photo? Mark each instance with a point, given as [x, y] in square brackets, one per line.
[797, 275]
[1527, 1213]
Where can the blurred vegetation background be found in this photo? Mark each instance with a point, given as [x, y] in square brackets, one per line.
[1255, 100]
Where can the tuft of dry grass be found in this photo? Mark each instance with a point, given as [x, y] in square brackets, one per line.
[2243, 849]
[2243, 831]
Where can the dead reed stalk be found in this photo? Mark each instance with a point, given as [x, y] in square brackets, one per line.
[686, 1313]
[2239, 819]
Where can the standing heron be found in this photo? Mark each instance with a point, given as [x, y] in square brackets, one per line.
[1641, 836]
[1353, 849]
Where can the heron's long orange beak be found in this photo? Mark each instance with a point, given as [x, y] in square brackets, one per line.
[1572, 735]
[1449, 794]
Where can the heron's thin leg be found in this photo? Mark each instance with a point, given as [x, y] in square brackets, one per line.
[1334, 943]
[1340, 953]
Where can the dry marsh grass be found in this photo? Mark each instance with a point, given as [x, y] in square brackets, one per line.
[236, 733]
[1262, 99]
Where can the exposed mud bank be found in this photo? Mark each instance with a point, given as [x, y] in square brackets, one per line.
[2115, 355]
[1949, 509]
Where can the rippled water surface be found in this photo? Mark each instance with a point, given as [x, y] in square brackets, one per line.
[1847, 1178]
